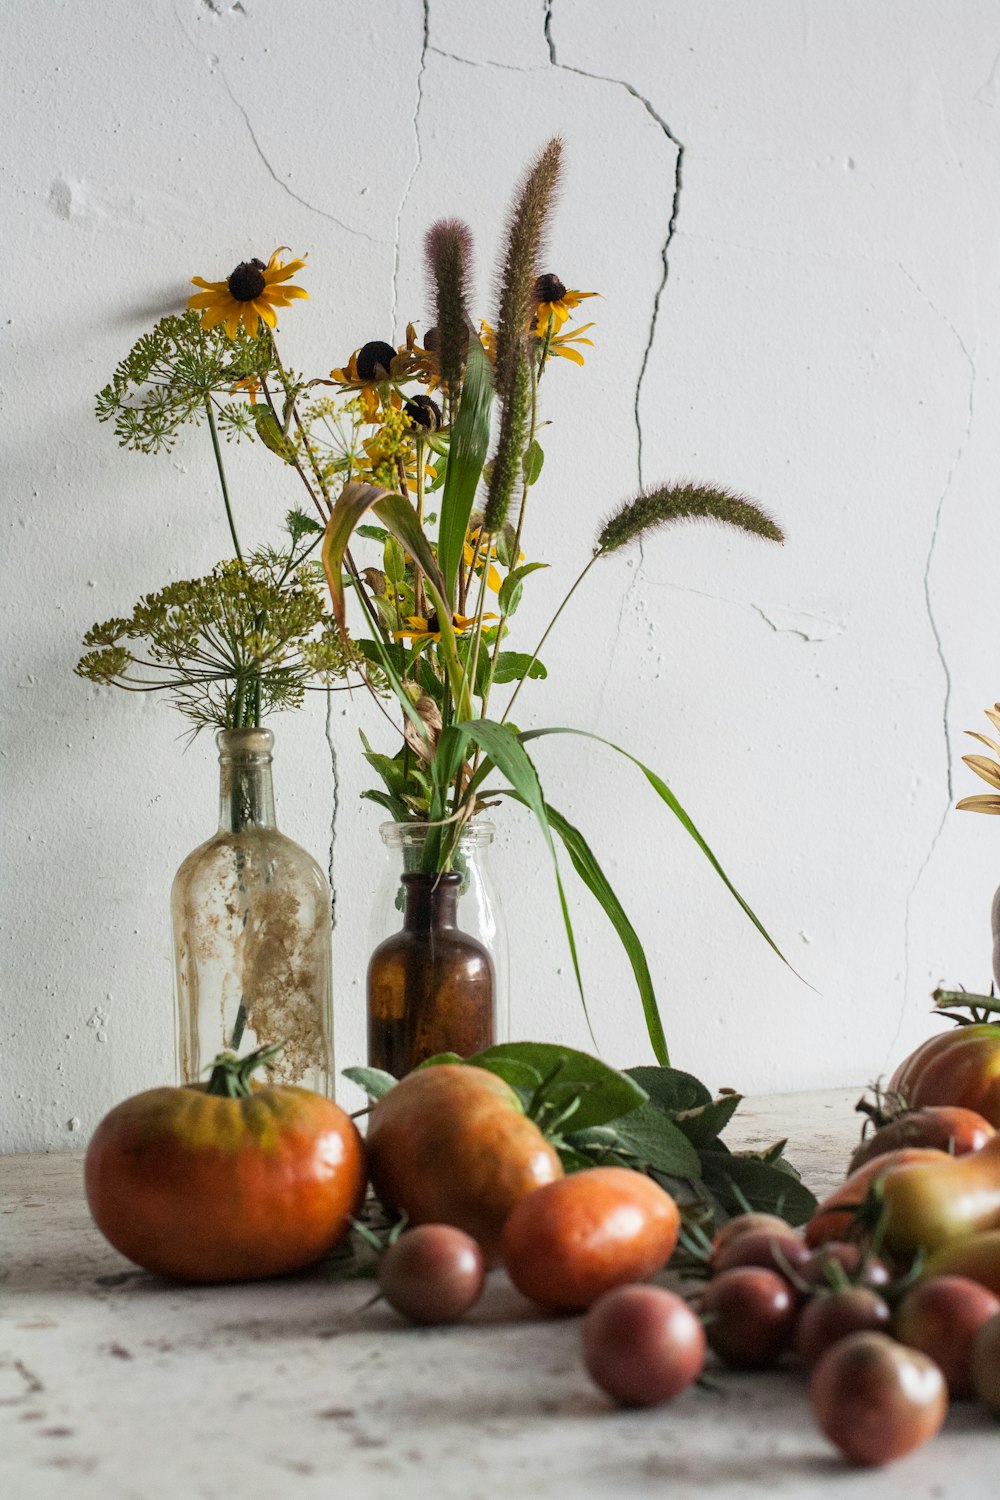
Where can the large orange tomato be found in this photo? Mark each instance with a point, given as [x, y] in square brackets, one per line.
[955, 1067]
[570, 1242]
[451, 1144]
[225, 1182]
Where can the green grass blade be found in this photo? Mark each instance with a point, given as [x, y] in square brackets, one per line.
[663, 791]
[594, 878]
[470, 442]
[505, 750]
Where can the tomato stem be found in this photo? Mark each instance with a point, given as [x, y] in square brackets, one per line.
[231, 1075]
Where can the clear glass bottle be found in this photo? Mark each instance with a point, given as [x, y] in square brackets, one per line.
[472, 911]
[252, 933]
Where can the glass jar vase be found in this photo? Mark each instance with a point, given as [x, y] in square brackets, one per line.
[252, 933]
[438, 974]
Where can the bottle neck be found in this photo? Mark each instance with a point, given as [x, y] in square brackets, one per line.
[246, 796]
[431, 901]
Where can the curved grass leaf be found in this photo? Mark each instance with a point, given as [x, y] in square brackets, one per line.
[470, 440]
[594, 878]
[663, 791]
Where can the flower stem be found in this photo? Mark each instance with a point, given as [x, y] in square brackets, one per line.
[547, 632]
[222, 476]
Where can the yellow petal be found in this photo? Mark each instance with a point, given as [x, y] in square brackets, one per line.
[210, 286]
[979, 804]
[493, 580]
[213, 315]
[233, 320]
[267, 313]
[203, 299]
[987, 769]
[564, 352]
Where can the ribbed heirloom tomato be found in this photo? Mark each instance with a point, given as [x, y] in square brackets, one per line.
[955, 1067]
[570, 1242]
[451, 1144]
[225, 1182]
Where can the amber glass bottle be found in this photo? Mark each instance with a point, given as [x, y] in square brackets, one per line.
[430, 986]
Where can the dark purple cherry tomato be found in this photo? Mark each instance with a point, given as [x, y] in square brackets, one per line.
[942, 1317]
[831, 1316]
[782, 1253]
[642, 1345]
[823, 1266]
[432, 1274]
[750, 1316]
[876, 1400]
[986, 1364]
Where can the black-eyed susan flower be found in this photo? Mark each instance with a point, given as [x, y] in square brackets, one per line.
[428, 628]
[561, 344]
[376, 365]
[552, 301]
[251, 295]
[473, 551]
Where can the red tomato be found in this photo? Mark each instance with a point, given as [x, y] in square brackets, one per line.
[876, 1400]
[943, 1127]
[569, 1242]
[451, 1144]
[831, 1316]
[202, 1186]
[835, 1218]
[961, 1067]
[432, 1274]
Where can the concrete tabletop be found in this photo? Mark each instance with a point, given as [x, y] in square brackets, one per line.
[117, 1385]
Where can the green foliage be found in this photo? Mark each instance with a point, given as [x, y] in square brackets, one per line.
[168, 376]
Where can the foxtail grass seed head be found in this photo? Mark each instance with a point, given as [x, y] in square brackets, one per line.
[526, 228]
[683, 502]
[448, 247]
[507, 463]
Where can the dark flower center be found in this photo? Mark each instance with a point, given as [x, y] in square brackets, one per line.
[549, 288]
[432, 340]
[247, 281]
[423, 412]
[375, 359]
[433, 624]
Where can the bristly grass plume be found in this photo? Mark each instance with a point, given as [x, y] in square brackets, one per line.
[448, 247]
[683, 502]
[518, 273]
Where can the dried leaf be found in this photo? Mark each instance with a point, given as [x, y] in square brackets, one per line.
[984, 767]
[983, 804]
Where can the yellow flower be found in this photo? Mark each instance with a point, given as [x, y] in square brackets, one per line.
[420, 629]
[250, 295]
[983, 766]
[488, 339]
[554, 302]
[376, 364]
[560, 344]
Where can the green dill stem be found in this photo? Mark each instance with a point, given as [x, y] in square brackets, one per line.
[547, 632]
[222, 475]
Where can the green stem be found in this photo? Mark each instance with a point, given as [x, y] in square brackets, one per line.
[222, 476]
[230, 1077]
[547, 632]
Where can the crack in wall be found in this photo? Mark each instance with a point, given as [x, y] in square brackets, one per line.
[675, 205]
[312, 207]
[938, 640]
[425, 48]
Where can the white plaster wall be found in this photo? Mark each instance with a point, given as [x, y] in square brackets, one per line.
[819, 180]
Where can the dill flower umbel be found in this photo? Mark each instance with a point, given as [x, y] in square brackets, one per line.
[251, 294]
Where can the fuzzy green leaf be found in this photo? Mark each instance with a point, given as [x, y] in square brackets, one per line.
[374, 1081]
[606, 1094]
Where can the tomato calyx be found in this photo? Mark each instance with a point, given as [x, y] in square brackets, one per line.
[885, 1107]
[231, 1076]
[964, 1008]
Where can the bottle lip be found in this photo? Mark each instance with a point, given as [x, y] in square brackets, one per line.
[242, 743]
[432, 879]
[475, 835]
